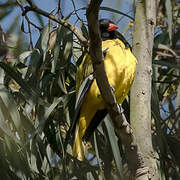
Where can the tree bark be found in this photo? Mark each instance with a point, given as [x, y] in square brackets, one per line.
[145, 19]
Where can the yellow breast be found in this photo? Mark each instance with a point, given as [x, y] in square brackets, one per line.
[120, 65]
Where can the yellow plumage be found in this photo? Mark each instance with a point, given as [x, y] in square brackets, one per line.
[120, 65]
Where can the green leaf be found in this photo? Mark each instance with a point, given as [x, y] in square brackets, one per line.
[164, 63]
[56, 56]
[169, 11]
[24, 55]
[17, 160]
[174, 142]
[72, 72]
[115, 11]
[155, 104]
[178, 97]
[6, 116]
[39, 52]
[15, 75]
[44, 83]
[90, 176]
[84, 30]
[32, 93]
[77, 52]
[114, 145]
[64, 36]
[98, 158]
[52, 107]
[67, 45]
[34, 63]
[61, 82]
[56, 49]
[162, 38]
[12, 114]
[45, 36]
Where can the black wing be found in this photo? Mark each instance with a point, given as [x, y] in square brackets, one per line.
[80, 97]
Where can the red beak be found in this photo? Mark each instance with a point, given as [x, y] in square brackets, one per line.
[112, 27]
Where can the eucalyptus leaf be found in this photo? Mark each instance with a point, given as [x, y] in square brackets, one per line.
[98, 158]
[10, 106]
[164, 63]
[116, 11]
[61, 82]
[45, 36]
[34, 63]
[24, 55]
[25, 86]
[114, 145]
[77, 52]
[169, 11]
[67, 44]
[56, 49]
[4, 114]
[84, 30]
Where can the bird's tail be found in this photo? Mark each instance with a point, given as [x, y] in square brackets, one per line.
[79, 148]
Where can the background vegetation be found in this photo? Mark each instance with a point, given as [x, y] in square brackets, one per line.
[38, 60]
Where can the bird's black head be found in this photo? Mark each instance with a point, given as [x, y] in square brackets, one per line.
[107, 29]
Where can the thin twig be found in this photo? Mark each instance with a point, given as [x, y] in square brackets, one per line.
[74, 29]
[59, 8]
[27, 19]
[75, 11]
[30, 35]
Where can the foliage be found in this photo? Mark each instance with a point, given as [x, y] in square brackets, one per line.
[37, 98]
[165, 92]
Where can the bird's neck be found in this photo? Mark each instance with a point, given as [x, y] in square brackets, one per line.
[108, 35]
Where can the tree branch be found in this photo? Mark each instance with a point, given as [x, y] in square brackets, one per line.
[122, 127]
[71, 27]
[141, 90]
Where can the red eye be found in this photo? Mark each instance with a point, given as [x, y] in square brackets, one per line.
[112, 27]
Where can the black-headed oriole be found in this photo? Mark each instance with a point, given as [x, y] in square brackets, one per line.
[120, 65]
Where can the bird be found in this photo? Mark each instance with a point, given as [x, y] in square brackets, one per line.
[90, 109]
